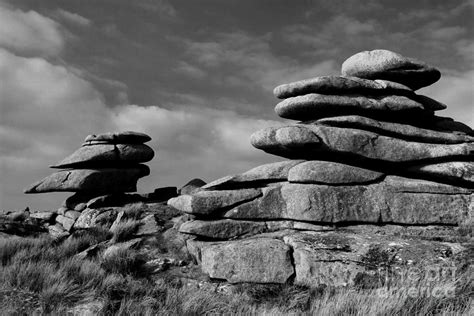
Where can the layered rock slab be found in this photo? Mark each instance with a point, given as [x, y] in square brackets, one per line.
[331, 173]
[393, 200]
[210, 201]
[387, 65]
[313, 105]
[91, 180]
[106, 154]
[340, 85]
[261, 260]
[308, 141]
[224, 229]
[271, 172]
[396, 130]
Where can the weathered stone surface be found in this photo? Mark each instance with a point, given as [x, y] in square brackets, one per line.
[315, 106]
[106, 155]
[429, 103]
[387, 65]
[80, 207]
[96, 217]
[271, 172]
[192, 186]
[397, 130]
[310, 141]
[259, 260]
[206, 202]
[338, 259]
[66, 222]
[57, 231]
[331, 173]
[91, 180]
[395, 200]
[340, 85]
[426, 232]
[72, 214]
[127, 137]
[461, 171]
[222, 229]
[115, 199]
[43, 215]
[148, 226]
[62, 210]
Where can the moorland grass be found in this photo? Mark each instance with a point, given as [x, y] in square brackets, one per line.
[44, 276]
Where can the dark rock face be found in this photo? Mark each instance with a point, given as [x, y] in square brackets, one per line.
[192, 186]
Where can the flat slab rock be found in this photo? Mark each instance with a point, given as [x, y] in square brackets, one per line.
[394, 200]
[209, 201]
[98, 155]
[314, 106]
[261, 260]
[461, 171]
[224, 229]
[127, 137]
[331, 173]
[387, 65]
[192, 186]
[318, 258]
[271, 172]
[98, 181]
[309, 141]
[340, 259]
[396, 130]
[340, 85]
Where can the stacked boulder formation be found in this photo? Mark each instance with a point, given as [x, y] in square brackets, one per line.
[371, 169]
[101, 171]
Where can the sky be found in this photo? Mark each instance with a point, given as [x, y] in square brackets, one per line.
[197, 76]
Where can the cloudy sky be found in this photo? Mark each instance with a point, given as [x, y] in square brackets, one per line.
[196, 76]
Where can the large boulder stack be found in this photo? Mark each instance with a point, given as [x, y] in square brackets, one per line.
[372, 169]
[104, 167]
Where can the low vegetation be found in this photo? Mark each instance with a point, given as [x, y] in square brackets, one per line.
[43, 276]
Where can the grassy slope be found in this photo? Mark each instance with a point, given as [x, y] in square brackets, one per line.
[43, 276]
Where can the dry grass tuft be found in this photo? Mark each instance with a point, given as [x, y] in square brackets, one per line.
[45, 277]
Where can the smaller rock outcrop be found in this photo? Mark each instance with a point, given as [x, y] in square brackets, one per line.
[106, 163]
[100, 172]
